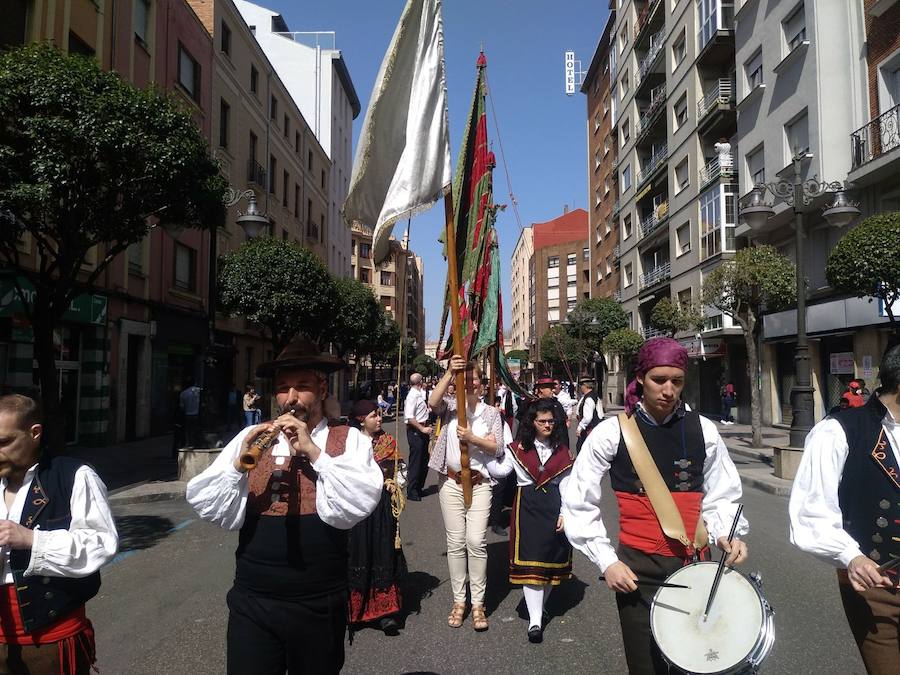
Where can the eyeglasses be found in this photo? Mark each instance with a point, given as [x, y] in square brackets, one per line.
[546, 422]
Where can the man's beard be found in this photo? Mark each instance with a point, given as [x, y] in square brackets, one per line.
[301, 412]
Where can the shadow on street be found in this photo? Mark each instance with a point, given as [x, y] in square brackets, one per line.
[141, 532]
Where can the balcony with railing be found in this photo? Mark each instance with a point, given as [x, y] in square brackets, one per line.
[649, 332]
[877, 138]
[617, 253]
[617, 296]
[716, 112]
[718, 168]
[657, 275]
[256, 173]
[654, 163]
[647, 19]
[653, 112]
[652, 63]
[715, 39]
[649, 224]
[617, 206]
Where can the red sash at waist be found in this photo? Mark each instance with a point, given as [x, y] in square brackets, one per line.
[12, 628]
[640, 529]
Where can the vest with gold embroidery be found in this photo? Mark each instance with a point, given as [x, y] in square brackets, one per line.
[869, 490]
[284, 548]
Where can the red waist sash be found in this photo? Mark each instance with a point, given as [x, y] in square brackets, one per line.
[640, 528]
[12, 628]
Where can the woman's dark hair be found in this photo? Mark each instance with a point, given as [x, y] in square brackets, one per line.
[559, 437]
[889, 372]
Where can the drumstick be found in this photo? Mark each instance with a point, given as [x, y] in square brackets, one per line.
[721, 568]
[652, 582]
[889, 565]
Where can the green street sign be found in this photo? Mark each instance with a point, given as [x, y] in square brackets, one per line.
[88, 308]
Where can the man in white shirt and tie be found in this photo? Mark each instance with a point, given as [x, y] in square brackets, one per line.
[418, 433]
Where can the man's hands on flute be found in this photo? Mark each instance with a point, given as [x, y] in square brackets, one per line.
[297, 432]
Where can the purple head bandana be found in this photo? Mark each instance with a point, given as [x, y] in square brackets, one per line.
[662, 351]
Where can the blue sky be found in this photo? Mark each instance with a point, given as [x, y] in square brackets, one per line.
[542, 129]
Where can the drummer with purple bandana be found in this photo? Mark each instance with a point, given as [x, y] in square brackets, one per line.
[696, 468]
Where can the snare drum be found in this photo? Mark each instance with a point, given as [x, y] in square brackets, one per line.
[736, 636]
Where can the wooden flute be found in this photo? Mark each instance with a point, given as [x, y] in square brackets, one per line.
[250, 457]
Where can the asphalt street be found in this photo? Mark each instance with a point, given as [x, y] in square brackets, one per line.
[161, 608]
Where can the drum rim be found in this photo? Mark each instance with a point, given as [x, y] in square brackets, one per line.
[761, 647]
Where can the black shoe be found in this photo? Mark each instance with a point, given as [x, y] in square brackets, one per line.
[535, 635]
[389, 626]
[413, 497]
[499, 530]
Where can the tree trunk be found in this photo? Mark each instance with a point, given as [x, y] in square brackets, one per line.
[749, 326]
[43, 323]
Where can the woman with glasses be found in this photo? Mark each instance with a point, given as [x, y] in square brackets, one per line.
[540, 556]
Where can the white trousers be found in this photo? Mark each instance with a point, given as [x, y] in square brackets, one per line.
[466, 538]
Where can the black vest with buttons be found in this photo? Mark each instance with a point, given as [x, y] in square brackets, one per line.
[677, 447]
[43, 600]
[869, 490]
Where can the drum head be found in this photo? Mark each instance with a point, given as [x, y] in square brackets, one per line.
[730, 633]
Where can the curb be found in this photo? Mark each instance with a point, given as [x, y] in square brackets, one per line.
[147, 498]
[765, 485]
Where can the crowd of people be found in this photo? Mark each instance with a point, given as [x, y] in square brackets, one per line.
[677, 489]
[318, 503]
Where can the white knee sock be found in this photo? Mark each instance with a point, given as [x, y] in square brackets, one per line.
[534, 601]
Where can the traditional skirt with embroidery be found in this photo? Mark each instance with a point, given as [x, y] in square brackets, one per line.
[375, 567]
[538, 554]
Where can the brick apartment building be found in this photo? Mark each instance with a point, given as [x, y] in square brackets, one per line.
[560, 273]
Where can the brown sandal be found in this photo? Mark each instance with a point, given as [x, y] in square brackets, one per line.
[457, 612]
[479, 619]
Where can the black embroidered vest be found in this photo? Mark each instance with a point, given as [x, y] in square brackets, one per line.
[43, 600]
[678, 449]
[596, 418]
[869, 490]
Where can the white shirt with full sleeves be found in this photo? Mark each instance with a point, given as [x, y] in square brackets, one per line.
[581, 499]
[817, 524]
[348, 486]
[587, 412]
[88, 543]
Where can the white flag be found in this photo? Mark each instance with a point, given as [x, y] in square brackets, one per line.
[402, 163]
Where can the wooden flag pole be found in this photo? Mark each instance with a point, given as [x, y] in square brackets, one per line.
[492, 381]
[456, 331]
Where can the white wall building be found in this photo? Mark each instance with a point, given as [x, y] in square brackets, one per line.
[317, 78]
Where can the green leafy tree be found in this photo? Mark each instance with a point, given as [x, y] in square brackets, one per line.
[281, 286]
[593, 319]
[560, 349]
[426, 365]
[89, 162]
[356, 316]
[756, 278]
[623, 342]
[866, 262]
[673, 317]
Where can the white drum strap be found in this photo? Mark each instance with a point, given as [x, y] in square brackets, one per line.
[667, 512]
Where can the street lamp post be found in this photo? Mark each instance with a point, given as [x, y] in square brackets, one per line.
[799, 194]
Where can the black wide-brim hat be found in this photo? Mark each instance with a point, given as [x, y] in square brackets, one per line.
[302, 354]
[545, 381]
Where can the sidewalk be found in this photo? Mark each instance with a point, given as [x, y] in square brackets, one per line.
[137, 471]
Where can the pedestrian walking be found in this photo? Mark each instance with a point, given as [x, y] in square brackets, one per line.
[418, 434]
[56, 532]
[251, 406]
[729, 400]
[590, 410]
[683, 454]
[540, 556]
[189, 402]
[845, 509]
[466, 527]
[376, 562]
[288, 605]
